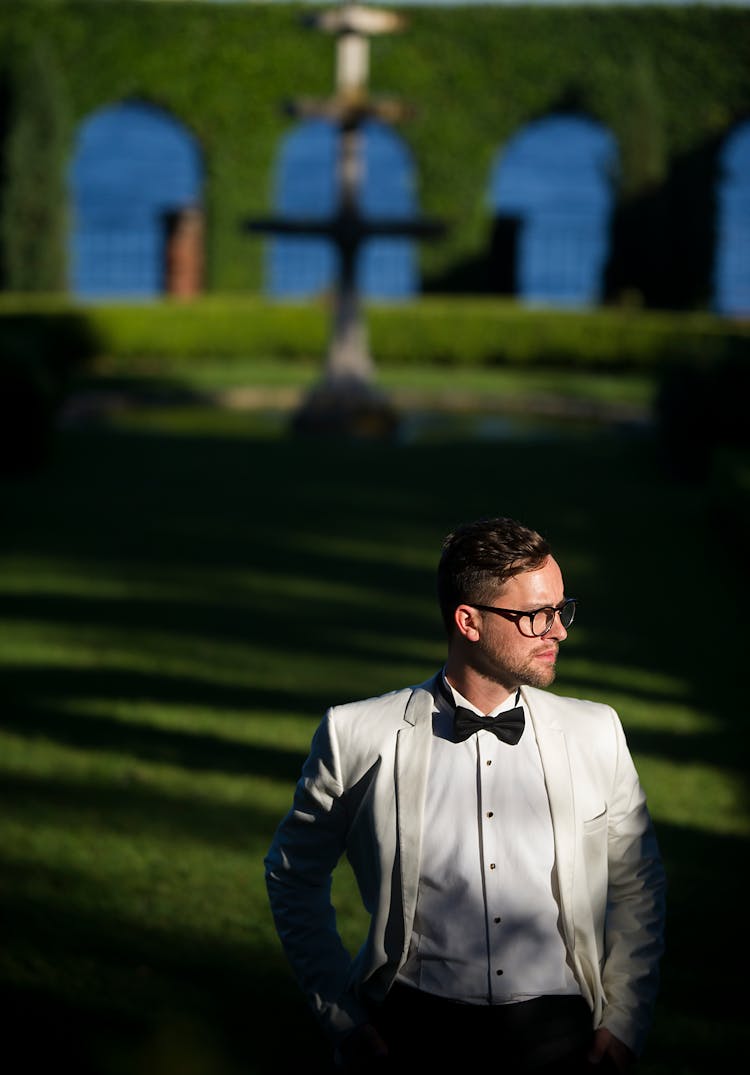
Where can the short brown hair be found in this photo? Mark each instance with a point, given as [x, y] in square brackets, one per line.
[479, 557]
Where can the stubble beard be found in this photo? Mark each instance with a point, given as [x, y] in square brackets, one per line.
[538, 677]
[508, 674]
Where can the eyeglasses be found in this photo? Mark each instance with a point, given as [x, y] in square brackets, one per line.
[540, 619]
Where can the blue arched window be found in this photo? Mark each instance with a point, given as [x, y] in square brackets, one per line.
[306, 186]
[552, 187]
[732, 259]
[134, 168]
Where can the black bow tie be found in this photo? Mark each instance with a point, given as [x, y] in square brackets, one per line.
[507, 726]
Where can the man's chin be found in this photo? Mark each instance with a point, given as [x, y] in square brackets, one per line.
[541, 677]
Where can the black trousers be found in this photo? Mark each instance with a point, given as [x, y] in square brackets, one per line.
[545, 1036]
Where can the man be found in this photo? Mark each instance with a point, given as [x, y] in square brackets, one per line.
[509, 866]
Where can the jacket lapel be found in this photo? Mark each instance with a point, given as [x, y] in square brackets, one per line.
[558, 779]
[412, 765]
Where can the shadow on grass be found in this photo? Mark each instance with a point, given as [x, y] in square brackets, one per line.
[140, 812]
[321, 559]
[124, 999]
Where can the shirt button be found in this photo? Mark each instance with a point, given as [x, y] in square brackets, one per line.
[489, 761]
[498, 972]
[490, 813]
[498, 919]
[492, 865]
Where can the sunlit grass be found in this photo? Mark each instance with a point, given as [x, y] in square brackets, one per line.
[674, 789]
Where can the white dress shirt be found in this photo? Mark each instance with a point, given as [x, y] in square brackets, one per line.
[486, 929]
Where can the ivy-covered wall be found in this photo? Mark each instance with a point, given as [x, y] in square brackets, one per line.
[670, 82]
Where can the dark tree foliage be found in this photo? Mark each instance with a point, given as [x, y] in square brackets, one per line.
[33, 213]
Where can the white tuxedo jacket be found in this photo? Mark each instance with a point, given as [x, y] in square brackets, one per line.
[362, 792]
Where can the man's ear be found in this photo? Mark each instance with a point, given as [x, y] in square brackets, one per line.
[467, 622]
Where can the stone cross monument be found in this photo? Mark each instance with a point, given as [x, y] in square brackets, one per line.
[346, 400]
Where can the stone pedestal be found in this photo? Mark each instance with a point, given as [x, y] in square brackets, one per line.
[346, 407]
[346, 402]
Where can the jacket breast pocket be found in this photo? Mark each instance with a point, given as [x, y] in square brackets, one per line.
[595, 824]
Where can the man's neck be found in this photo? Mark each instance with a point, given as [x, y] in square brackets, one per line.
[485, 694]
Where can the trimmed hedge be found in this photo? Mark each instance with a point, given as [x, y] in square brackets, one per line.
[450, 331]
[487, 331]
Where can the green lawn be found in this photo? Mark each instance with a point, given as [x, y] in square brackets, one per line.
[182, 593]
[496, 383]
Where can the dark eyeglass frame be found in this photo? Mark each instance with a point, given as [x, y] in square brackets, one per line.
[517, 615]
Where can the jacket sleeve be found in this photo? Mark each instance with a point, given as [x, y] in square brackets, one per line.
[307, 845]
[634, 932]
